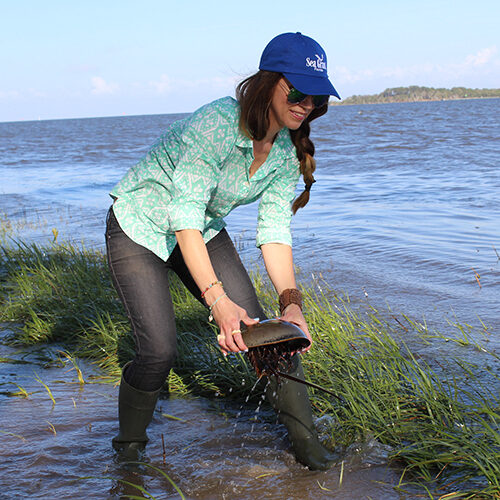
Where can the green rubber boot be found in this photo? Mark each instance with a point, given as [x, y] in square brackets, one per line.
[135, 412]
[291, 402]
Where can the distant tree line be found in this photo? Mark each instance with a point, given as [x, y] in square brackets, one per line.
[415, 93]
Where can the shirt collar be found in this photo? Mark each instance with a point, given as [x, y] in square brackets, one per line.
[243, 141]
[283, 146]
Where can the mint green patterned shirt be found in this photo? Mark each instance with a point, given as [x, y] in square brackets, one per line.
[197, 172]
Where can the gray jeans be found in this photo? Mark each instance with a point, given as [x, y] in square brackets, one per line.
[141, 280]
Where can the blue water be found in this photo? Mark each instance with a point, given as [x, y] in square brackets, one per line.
[404, 213]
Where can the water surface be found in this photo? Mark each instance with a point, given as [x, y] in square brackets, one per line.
[405, 209]
[404, 213]
[212, 449]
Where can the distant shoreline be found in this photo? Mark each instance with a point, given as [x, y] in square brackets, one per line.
[343, 103]
[419, 94]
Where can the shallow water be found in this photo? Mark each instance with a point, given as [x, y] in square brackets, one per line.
[405, 210]
[213, 449]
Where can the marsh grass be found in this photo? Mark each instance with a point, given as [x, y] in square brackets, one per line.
[75, 367]
[27, 222]
[21, 393]
[439, 416]
[7, 433]
[47, 388]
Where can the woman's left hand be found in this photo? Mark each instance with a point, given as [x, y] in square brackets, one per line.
[293, 314]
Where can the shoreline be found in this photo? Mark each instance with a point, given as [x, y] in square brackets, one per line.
[334, 104]
[363, 288]
[416, 93]
[331, 103]
[355, 354]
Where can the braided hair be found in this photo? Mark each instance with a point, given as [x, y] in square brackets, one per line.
[255, 95]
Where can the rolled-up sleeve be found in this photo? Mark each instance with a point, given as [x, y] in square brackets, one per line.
[273, 225]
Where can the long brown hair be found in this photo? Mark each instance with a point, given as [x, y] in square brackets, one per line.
[255, 95]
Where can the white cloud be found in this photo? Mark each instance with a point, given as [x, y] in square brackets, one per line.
[100, 86]
[163, 85]
[341, 73]
[484, 56]
[484, 60]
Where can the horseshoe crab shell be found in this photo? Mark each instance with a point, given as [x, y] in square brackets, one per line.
[275, 331]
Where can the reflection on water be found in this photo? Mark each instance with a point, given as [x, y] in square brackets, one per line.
[212, 449]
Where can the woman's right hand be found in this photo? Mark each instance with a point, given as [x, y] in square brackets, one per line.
[228, 316]
[226, 313]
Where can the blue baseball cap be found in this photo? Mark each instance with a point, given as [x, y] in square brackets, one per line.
[301, 60]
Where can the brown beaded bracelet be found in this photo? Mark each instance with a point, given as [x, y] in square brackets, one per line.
[290, 296]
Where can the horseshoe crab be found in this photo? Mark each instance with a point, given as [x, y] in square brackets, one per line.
[275, 331]
[271, 344]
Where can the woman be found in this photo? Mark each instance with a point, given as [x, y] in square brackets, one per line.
[168, 215]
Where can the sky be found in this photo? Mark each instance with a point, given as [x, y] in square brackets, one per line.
[86, 58]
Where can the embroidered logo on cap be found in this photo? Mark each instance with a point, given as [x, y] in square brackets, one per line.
[319, 64]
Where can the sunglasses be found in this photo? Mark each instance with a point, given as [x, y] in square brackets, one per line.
[295, 96]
